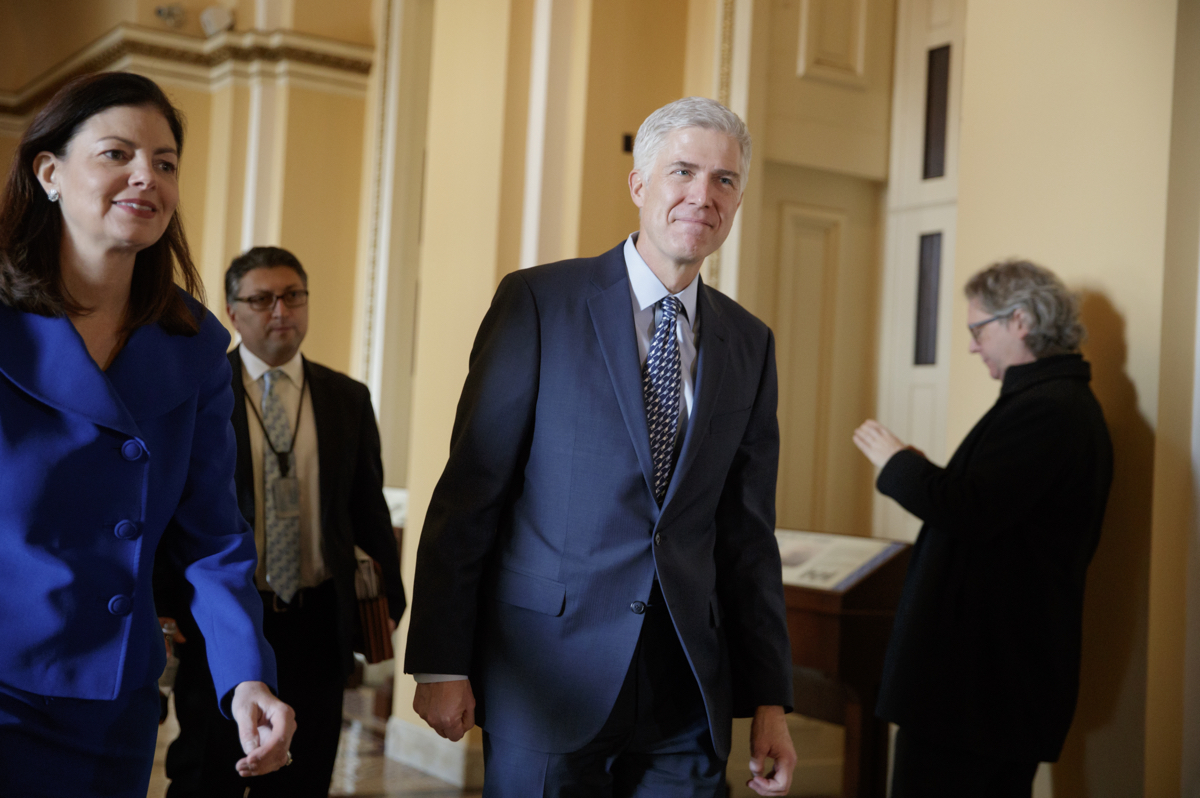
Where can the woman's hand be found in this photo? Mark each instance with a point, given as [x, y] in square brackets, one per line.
[877, 442]
[266, 726]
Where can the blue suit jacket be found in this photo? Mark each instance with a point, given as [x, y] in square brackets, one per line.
[543, 529]
[93, 467]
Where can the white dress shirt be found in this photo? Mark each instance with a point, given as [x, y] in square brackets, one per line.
[646, 290]
[312, 563]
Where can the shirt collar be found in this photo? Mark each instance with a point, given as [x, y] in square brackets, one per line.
[255, 367]
[1065, 366]
[648, 289]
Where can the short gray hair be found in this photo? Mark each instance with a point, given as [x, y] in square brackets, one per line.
[1051, 310]
[688, 112]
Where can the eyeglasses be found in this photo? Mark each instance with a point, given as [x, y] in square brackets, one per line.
[265, 301]
[977, 327]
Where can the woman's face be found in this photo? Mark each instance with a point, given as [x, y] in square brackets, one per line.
[1001, 343]
[117, 181]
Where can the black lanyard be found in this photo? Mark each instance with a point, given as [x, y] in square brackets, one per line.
[284, 457]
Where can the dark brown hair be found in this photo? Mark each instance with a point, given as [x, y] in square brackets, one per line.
[31, 225]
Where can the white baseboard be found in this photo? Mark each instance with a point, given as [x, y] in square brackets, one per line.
[420, 747]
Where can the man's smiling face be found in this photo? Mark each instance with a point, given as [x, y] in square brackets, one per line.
[688, 198]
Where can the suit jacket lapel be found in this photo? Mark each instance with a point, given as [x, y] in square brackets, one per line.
[323, 420]
[612, 316]
[46, 358]
[244, 471]
[712, 355]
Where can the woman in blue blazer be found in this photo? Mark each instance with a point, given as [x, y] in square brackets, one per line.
[114, 426]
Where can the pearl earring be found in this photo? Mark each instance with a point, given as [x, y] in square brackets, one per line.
[52, 195]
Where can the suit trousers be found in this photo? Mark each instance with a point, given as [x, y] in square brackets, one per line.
[655, 743]
[923, 769]
[70, 747]
[200, 763]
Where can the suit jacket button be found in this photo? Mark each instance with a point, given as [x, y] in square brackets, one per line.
[131, 450]
[126, 530]
[120, 605]
[658, 538]
[638, 607]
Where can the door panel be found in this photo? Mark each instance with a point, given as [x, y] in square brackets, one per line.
[817, 288]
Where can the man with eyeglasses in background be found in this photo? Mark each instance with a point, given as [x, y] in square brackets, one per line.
[309, 479]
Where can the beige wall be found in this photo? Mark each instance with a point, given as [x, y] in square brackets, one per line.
[345, 20]
[459, 265]
[193, 173]
[320, 210]
[701, 71]
[220, 238]
[35, 36]
[635, 67]
[1064, 159]
[516, 116]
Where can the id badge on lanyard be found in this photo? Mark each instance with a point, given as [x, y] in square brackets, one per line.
[286, 491]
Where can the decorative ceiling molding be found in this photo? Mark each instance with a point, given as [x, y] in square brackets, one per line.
[203, 64]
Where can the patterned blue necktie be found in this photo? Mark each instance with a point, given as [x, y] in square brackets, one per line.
[282, 529]
[660, 389]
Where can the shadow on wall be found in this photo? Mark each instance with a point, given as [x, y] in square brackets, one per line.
[1104, 752]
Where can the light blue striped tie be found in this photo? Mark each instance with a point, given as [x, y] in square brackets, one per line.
[660, 389]
[283, 532]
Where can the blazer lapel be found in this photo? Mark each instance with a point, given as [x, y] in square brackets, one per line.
[612, 316]
[45, 357]
[712, 357]
[323, 420]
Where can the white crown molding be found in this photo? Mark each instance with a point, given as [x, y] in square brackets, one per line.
[202, 64]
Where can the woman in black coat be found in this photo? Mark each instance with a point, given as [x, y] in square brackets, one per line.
[982, 671]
